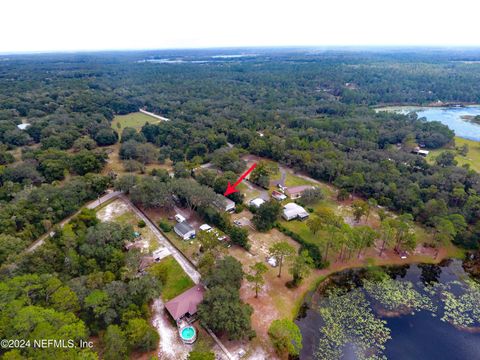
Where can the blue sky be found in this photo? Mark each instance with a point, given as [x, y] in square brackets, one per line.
[68, 25]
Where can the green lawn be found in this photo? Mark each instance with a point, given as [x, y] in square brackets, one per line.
[134, 120]
[174, 280]
[292, 180]
[472, 158]
[301, 228]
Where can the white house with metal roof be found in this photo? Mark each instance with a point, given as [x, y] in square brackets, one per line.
[294, 211]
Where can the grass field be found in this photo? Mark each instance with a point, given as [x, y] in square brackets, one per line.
[292, 180]
[172, 276]
[472, 158]
[134, 120]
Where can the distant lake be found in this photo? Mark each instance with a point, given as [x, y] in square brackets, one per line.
[450, 116]
[440, 293]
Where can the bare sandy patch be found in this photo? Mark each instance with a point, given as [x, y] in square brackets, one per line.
[170, 346]
[112, 210]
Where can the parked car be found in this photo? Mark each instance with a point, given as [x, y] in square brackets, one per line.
[402, 253]
[180, 218]
[272, 261]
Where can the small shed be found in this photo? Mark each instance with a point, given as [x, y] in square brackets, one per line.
[184, 230]
[277, 195]
[257, 202]
[161, 253]
[418, 151]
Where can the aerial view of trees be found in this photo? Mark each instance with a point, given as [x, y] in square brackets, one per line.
[222, 310]
[313, 113]
[94, 288]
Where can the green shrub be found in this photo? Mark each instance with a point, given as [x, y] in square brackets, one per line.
[141, 224]
[239, 208]
[165, 225]
[312, 249]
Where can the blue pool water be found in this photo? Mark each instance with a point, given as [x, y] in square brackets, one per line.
[188, 333]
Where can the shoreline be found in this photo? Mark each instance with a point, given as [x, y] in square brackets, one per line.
[322, 275]
[457, 105]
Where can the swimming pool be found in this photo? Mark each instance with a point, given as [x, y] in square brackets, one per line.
[188, 334]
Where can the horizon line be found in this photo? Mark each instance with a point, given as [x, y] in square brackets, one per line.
[246, 47]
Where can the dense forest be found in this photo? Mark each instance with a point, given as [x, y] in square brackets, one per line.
[311, 107]
[309, 110]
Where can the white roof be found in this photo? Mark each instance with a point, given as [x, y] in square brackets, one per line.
[180, 218]
[205, 227]
[257, 202]
[293, 206]
[292, 210]
[161, 253]
[23, 126]
[272, 261]
[279, 195]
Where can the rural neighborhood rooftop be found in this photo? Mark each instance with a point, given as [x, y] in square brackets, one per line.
[295, 192]
[224, 203]
[186, 303]
[257, 202]
[184, 230]
[293, 211]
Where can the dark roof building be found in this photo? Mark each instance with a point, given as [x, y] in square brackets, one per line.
[185, 304]
[184, 230]
[295, 192]
[223, 203]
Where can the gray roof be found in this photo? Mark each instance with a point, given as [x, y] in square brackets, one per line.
[223, 202]
[183, 227]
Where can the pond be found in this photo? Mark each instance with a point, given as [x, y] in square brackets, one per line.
[456, 118]
[410, 312]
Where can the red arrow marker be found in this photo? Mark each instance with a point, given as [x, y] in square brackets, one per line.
[231, 188]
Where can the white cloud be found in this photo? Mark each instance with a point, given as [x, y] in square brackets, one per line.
[46, 25]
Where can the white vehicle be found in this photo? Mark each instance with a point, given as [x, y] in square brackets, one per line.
[281, 187]
[205, 227]
[180, 218]
[272, 261]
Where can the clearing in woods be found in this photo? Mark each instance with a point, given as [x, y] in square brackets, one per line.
[472, 158]
[134, 120]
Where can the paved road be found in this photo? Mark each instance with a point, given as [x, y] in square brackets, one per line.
[262, 192]
[92, 205]
[283, 176]
[184, 263]
[153, 115]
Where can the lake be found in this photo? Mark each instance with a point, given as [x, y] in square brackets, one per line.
[450, 116]
[413, 312]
